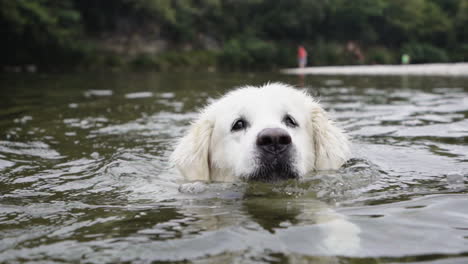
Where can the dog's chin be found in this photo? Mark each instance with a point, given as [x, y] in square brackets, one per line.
[273, 170]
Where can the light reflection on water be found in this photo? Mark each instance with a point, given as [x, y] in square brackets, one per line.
[84, 175]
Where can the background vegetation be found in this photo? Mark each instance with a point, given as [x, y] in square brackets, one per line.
[233, 34]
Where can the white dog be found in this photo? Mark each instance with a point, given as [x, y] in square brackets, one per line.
[265, 133]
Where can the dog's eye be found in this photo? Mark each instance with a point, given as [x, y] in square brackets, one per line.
[239, 125]
[290, 121]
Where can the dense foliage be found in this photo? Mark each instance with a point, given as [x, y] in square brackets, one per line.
[230, 33]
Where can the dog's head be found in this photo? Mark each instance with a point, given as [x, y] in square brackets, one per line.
[266, 133]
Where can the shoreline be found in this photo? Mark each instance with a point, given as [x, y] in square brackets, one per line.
[435, 69]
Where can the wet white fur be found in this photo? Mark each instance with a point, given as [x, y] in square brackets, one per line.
[211, 152]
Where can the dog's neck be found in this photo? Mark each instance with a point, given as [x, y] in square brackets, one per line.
[221, 175]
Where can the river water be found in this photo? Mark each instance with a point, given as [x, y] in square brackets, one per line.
[84, 175]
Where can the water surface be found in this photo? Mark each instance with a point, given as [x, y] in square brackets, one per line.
[84, 175]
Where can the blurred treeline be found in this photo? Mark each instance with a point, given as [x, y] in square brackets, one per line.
[237, 34]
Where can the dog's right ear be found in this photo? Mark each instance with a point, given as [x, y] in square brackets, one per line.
[191, 155]
[331, 145]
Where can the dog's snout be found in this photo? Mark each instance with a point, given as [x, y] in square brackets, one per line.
[273, 140]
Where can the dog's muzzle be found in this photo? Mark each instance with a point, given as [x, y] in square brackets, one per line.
[275, 162]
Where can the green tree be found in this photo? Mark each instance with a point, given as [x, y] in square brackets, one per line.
[37, 30]
[416, 20]
[461, 22]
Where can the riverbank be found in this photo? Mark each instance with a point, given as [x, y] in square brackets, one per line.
[439, 69]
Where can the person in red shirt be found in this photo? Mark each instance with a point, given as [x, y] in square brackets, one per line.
[302, 56]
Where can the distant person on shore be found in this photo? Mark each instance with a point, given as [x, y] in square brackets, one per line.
[301, 56]
[405, 59]
[354, 49]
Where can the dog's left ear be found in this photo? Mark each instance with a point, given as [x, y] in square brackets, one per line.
[331, 145]
[191, 155]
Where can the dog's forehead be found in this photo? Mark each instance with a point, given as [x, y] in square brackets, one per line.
[268, 100]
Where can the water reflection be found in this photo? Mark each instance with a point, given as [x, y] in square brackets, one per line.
[283, 214]
[261, 224]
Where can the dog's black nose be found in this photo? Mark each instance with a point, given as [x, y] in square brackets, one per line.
[273, 140]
